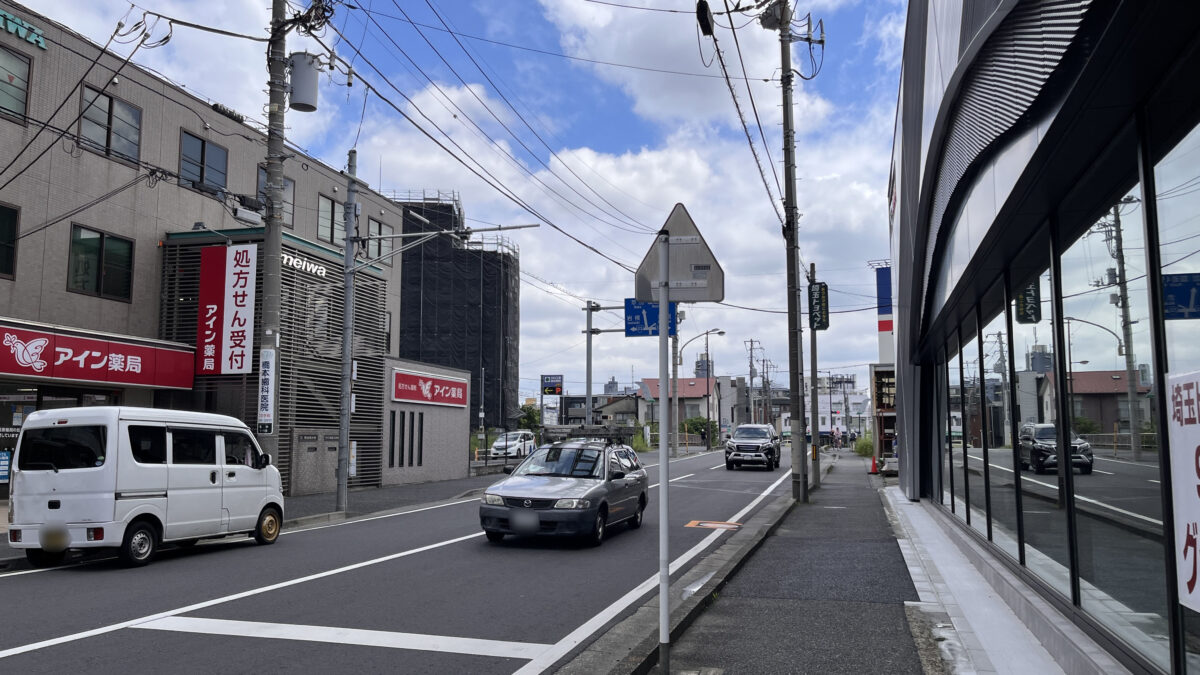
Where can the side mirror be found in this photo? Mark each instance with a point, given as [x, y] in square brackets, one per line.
[616, 475]
[265, 461]
[507, 469]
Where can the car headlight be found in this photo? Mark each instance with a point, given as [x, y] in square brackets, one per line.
[494, 500]
[572, 504]
[1086, 447]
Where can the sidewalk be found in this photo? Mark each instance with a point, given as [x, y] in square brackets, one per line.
[859, 580]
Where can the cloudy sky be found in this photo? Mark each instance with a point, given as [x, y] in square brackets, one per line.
[600, 117]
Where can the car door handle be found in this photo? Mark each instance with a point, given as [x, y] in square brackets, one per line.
[232, 474]
[212, 476]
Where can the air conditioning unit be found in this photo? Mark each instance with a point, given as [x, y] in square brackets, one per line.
[247, 215]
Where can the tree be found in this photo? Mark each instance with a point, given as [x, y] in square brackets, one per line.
[1085, 425]
[531, 417]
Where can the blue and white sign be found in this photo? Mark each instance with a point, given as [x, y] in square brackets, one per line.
[1181, 296]
[641, 318]
[5, 462]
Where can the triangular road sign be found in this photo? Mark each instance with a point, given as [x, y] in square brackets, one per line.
[694, 275]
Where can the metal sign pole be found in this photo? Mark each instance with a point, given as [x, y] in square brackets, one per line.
[664, 560]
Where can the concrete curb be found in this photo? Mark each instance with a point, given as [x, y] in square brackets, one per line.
[612, 652]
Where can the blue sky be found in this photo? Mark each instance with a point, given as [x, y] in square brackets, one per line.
[627, 145]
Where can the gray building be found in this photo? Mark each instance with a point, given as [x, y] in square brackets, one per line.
[1043, 199]
[101, 240]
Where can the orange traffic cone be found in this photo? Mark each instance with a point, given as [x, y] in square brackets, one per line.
[873, 468]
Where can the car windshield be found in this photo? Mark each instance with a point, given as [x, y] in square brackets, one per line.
[1045, 433]
[750, 433]
[509, 438]
[567, 461]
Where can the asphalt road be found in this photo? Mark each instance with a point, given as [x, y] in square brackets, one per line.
[417, 591]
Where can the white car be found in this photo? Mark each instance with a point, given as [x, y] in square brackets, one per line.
[513, 444]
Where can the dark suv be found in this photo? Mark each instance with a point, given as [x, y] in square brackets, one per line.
[1039, 449]
[756, 444]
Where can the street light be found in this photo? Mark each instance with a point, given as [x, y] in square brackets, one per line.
[1123, 349]
[708, 378]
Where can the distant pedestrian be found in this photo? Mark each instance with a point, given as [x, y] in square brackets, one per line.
[704, 436]
[837, 437]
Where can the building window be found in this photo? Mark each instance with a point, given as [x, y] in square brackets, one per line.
[411, 426]
[331, 217]
[100, 264]
[289, 195]
[110, 126]
[8, 241]
[201, 163]
[14, 82]
[379, 247]
[400, 439]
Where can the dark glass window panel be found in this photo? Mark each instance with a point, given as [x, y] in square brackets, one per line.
[193, 446]
[126, 130]
[325, 208]
[191, 159]
[93, 128]
[215, 163]
[14, 81]
[83, 273]
[8, 240]
[149, 444]
[118, 268]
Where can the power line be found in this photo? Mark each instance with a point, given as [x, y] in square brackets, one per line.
[497, 185]
[753, 107]
[546, 52]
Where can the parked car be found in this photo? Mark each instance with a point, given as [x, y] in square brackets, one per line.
[560, 490]
[753, 444]
[513, 444]
[1039, 449]
[134, 478]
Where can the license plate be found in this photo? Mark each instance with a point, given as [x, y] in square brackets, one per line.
[524, 521]
[54, 540]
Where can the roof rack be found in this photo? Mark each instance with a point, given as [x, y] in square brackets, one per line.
[611, 434]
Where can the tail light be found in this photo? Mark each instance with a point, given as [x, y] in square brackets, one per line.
[95, 534]
[14, 536]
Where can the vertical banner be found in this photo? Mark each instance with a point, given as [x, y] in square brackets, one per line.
[225, 330]
[353, 458]
[1184, 433]
[266, 392]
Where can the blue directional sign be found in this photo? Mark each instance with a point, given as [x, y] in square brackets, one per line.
[5, 460]
[1181, 296]
[641, 318]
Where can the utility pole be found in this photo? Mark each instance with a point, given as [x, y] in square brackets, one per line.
[766, 391]
[816, 404]
[350, 243]
[273, 246]
[750, 389]
[779, 16]
[592, 308]
[1135, 427]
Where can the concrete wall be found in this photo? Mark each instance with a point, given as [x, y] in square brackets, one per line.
[445, 433]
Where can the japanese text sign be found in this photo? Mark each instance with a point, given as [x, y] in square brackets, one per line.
[52, 355]
[1184, 432]
[1029, 302]
[818, 306]
[225, 329]
[416, 387]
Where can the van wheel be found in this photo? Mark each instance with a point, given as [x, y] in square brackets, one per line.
[269, 524]
[139, 544]
[39, 558]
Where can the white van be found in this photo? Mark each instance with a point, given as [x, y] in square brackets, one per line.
[133, 478]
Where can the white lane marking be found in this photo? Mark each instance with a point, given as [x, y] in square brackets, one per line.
[675, 479]
[715, 467]
[1154, 481]
[23, 572]
[568, 643]
[349, 636]
[1131, 514]
[1125, 461]
[386, 515]
[1106, 473]
[228, 598]
[680, 459]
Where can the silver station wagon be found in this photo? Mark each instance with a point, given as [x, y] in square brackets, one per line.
[560, 490]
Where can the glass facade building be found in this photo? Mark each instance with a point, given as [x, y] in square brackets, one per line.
[1045, 229]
